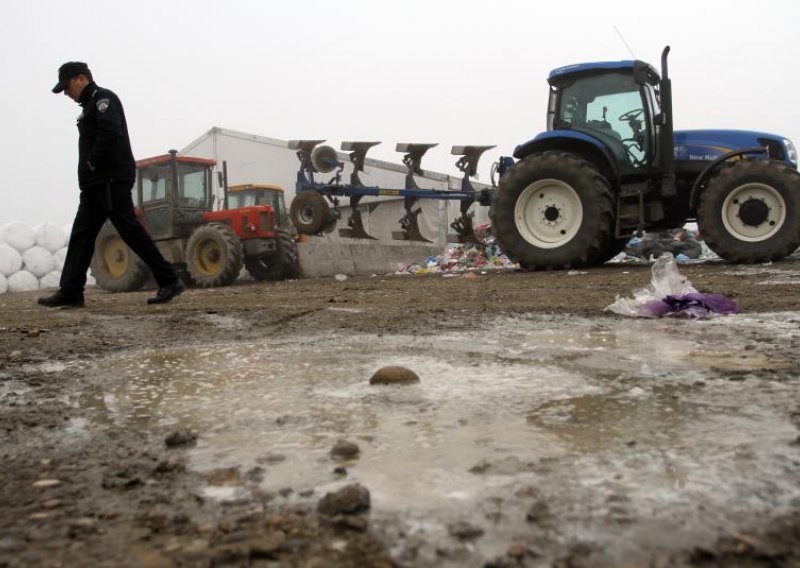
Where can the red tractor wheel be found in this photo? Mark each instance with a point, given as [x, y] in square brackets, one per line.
[116, 267]
[214, 255]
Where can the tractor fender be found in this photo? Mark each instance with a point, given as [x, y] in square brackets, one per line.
[577, 143]
[694, 196]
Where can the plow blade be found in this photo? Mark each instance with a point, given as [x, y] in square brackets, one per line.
[409, 225]
[355, 223]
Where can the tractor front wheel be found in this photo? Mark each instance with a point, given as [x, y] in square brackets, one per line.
[213, 255]
[750, 211]
[115, 266]
[553, 210]
[310, 212]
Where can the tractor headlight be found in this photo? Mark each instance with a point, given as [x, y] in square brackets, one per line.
[791, 151]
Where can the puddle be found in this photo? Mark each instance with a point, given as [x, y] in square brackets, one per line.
[667, 413]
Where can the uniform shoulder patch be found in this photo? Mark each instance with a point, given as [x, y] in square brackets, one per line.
[102, 105]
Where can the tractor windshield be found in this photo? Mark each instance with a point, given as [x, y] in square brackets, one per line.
[250, 197]
[608, 107]
[156, 182]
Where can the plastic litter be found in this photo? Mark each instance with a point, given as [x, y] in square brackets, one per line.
[458, 258]
[671, 294]
[340, 277]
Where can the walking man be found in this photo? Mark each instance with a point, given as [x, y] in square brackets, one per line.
[106, 174]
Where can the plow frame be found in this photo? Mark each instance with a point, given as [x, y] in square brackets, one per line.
[323, 159]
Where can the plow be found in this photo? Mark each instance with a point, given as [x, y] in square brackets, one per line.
[317, 204]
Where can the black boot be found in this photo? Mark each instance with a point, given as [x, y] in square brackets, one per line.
[62, 299]
[165, 294]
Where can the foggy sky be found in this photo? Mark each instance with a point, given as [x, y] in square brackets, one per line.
[452, 72]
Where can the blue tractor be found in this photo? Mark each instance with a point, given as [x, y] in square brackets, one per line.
[610, 164]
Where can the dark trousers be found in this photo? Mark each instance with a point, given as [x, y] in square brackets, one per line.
[109, 201]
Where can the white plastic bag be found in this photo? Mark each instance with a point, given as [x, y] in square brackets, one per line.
[3, 284]
[665, 281]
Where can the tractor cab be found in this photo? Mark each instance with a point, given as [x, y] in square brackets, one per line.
[613, 106]
[172, 192]
[250, 194]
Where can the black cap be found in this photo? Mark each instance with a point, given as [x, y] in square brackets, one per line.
[68, 71]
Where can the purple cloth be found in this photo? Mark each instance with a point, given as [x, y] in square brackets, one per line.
[694, 305]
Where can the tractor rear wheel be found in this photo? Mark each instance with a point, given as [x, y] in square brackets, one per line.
[310, 212]
[213, 255]
[553, 210]
[750, 211]
[115, 266]
[285, 263]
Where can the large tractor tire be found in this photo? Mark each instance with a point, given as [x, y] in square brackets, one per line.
[214, 255]
[285, 263]
[115, 266]
[750, 211]
[310, 212]
[553, 210]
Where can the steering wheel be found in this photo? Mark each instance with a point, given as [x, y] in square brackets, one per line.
[631, 114]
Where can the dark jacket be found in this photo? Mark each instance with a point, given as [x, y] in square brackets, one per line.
[103, 141]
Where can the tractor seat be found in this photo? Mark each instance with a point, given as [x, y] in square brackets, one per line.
[604, 127]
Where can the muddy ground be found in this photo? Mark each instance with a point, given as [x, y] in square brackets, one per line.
[121, 497]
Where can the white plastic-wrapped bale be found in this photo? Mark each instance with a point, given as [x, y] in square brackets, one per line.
[10, 260]
[22, 281]
[50, 237]
[59, 257]
[50, 280]
[3, 284]
[38, 261]
[18, 235]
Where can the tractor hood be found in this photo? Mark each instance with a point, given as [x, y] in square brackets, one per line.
[708, 145]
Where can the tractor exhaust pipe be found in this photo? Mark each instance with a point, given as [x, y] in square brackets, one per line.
[667, 130]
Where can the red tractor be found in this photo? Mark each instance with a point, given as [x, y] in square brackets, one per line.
[174, 201]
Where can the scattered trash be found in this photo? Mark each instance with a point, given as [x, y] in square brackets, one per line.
[458, 258]
[684, 243]
[671, 294]
[340, 277]
[576, 272]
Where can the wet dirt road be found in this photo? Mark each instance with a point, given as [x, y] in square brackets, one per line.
[544, 430]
